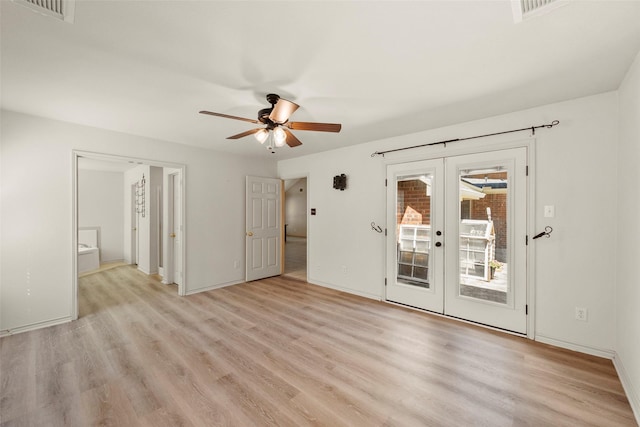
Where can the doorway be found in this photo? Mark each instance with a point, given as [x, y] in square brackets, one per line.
[456, 241]
[295, 239]
[130, 250]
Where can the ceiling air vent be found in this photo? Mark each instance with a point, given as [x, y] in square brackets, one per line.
[525, 9]
[61, 9]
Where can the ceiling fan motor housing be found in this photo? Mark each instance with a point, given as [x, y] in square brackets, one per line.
[263, 116]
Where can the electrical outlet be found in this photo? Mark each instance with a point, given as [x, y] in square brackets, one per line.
[581, 314]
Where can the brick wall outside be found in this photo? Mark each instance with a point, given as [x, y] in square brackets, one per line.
[414, 207]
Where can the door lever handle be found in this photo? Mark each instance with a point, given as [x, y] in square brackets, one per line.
[172, 235]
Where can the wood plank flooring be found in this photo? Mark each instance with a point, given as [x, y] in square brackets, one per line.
[295, 258]
[283, 352]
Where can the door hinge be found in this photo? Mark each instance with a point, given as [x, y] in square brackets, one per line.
[385, 231]
[526, 240]
[385, 182]
[526, 309]
[527, 170]
[385, 281]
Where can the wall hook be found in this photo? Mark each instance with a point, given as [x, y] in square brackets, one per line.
[375, 227]
[547, 232]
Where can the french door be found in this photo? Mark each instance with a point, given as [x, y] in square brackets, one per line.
[456, 236]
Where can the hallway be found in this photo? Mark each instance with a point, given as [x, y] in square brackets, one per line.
[295, 258]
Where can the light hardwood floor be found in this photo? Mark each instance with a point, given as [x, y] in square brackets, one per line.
[295, 258]
[283, 352]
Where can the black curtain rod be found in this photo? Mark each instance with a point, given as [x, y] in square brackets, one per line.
[532, 129]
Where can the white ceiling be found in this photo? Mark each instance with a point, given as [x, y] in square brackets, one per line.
[379, 68]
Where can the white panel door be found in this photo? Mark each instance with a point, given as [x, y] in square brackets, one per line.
[177, 233]
[263, 228]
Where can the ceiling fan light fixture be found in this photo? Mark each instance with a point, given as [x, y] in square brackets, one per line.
[276, 131]
[262, 135]
[279, 137]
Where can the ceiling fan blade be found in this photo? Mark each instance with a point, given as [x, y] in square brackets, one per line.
[243, 134]
[291, 140]
[226, 116]
[319, 127]
[282, 111]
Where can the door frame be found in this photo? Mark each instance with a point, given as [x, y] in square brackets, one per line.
[75, 155]
[502, 142]
[169, 225]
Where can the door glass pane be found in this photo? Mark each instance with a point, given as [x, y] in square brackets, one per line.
[413, 229]
[483, 234]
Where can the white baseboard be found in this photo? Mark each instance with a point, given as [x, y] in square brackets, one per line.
[346, 290]
[148, 273]
[607, 354]
[34, 326]
[212, 287]
[627, 384]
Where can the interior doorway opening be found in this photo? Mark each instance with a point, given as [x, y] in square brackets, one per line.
[295, 234]
[133, 233]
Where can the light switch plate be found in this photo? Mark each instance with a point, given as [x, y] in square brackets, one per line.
[549, 211]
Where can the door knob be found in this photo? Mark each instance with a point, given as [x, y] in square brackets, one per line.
[249, 233]
[172, 235]
[438, 244]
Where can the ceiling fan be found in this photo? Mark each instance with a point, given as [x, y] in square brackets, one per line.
[276, 119]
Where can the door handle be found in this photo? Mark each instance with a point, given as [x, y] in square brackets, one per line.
[172, 235]
[249, 233]
[133, 229]
[438, 244]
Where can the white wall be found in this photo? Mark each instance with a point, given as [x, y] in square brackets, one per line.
[36, 205]
[575, 165]
[100, 204]
[628, 274]
[296, 208]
